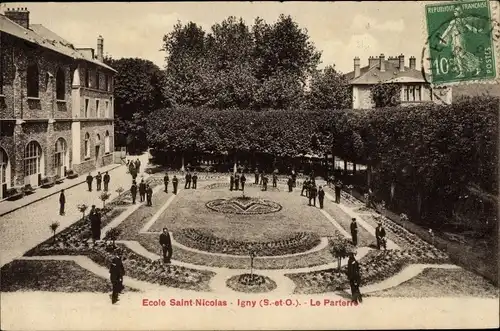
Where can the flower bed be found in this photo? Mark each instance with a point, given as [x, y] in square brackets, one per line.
[244, 206]
[251, 283]
[205, 241]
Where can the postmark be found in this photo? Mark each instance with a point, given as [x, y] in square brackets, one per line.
[460, 42]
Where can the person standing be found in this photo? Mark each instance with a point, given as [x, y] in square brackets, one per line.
[89, 181]
[231, 182]
[106, 181]
[354, 231]
[305, 187]
[275, 180]
[294, 178]
[62, 202]
[313, 192]
[149, 195]
[142, 190]
[321, 197]
[262, 175]
[133, 191]
[95, 224]
[237, 182]
[256, 176]
[138, 165]
[338, 188]
[354, 276]
[187, 183]
[243, 180]
[116, 273]
[264, 182]
[166, 245]
[194, 181]
[175, 182]
[290, 184]
[165, 182]
[380, 235]
[98, 181]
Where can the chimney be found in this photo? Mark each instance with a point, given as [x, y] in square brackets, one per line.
[401, 62]
[413, 63]
[373, 61]
[20, 16]
[382, 63]
[357, 68]
[100, 49]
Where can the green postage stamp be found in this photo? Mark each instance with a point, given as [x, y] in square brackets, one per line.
[460, 41]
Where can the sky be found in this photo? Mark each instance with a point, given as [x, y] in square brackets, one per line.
[340, 30]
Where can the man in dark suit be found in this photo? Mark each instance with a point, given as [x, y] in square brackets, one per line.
[194, 180]
[231, 182]
[264, 182]
[354, 231]
[256, 176]
[338, 188]
[305, 187]
[98, 180]
[237, 182]
[166, 245]
[321, 197]
[187, 184]
[380, 235]
[354, 276]
[275, 180]
[62, 202]
[313, 192]
[133, 191]
[142, 191]
[116, 273]
[165, 182]
[243, 180]
[175, 182]
[89, 181]
[290, 184]
[106, 181]
[149, 195]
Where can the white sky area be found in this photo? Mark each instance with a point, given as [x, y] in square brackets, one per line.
[341, 30]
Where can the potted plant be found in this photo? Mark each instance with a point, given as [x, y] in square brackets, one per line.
[71, 174]
[82, 208]
[112, 234]
[104, 196]
[14, 193]
[59, 179]
[54, 227]
[28, 189]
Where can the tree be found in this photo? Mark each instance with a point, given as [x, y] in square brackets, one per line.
[329, 89]
[340, 248]
[138, 91]
[82, 208]
[54, 226]
[386, 94]
[113, 234]
[104, 196]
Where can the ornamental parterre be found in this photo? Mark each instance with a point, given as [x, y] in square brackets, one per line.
[244, 206]
[205, 241]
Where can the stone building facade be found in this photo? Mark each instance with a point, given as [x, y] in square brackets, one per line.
[56, 105]
[415, 88]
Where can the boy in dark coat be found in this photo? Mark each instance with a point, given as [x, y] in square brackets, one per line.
[116, 273]
[106, 181]
[142, 190]
[133, 191]
[98, 180]
[175, 182]
[166, 245]
[321, 197]
[89, 181]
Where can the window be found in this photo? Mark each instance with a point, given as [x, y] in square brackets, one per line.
[106, 82]
[86, 108]
[106, 142]
[87, 145]
[87, 77]
[97, 79]
[32, 81]
[3, 167]
[60, 156]
[412, 93]
[32, 157]
[60, 85]
[106, 109]
[97, 110]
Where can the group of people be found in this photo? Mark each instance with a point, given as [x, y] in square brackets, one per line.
[175, 182]
[145, 192]
[190, 179]
[236, 179]
[313, 192]
[99, 178]
[134, 167]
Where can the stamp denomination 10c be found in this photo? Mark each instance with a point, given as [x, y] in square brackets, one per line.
[460, 41]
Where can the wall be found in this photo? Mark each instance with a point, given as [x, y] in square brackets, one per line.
[362, 98]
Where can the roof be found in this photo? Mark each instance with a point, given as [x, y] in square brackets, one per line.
[373, 75]
[40, 35]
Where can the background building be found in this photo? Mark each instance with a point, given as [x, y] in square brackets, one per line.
[56, 104]
[414, 87]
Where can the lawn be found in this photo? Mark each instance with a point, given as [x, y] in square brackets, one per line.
[52, 276]
[188, 210]
[442, 283]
